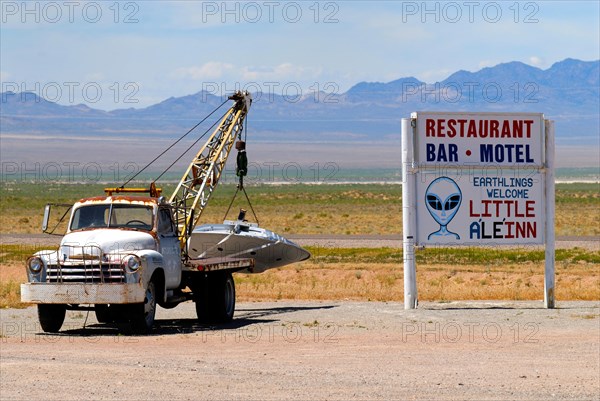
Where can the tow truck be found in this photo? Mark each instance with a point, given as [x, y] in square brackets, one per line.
[123, 254]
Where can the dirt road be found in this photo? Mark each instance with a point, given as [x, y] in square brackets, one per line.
[314, 350]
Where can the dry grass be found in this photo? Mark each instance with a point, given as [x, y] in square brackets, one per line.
[12, 274]
[298, 209]
[577, 277]
[578, 209]
[384, 282]
[376, 275]
[11, 277]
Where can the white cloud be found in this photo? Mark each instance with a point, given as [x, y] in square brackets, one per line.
[537, 61]
[430, 76]
[284, 71]
[209, 70]
[4, 76]
[487, 63]
[215, 69]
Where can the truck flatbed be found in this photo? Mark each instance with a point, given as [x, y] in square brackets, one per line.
[219, 263]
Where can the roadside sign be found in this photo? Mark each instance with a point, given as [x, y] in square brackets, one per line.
[477, 179]
[480, 208]
[475, 139]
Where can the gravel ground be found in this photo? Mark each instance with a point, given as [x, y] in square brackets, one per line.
[313, 350]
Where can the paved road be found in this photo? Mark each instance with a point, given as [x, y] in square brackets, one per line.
[323, 240]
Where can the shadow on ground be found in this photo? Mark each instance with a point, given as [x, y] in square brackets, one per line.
[244, 318]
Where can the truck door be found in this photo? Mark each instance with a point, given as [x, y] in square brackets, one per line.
[169, 248]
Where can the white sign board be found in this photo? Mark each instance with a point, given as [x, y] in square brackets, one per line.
[477, 179]
[475, 139]
[480, 208]
[499, 204]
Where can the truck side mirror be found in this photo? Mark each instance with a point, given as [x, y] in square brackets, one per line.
[46, 217]
[46, 220]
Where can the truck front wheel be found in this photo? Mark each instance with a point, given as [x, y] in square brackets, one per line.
[215, 299]
[143, 314]
[51, 317]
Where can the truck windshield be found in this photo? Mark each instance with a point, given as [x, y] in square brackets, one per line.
[112, 216]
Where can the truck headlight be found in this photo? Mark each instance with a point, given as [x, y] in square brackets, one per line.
[35, 264]
[133, 262]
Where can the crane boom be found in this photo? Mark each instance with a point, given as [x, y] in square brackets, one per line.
[202, 175]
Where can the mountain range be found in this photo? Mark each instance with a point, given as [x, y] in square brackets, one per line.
[567, 92]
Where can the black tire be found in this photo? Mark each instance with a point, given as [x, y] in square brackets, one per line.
[104, 313]
[215, 298]
[201, 299]
[51, 317]
[143, 314]
[224, 297]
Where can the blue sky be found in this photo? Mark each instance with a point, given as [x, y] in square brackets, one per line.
[111, 54]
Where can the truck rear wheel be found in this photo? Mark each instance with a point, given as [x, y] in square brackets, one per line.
[215, 298]
[51, 317]
[143, 314]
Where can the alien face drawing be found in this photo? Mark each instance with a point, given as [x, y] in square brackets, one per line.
[443, 198]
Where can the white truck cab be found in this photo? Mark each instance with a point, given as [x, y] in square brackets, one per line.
[122, 254]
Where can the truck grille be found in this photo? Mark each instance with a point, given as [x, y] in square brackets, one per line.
[86, 273]
[84, 264]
